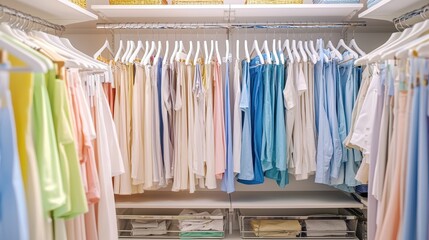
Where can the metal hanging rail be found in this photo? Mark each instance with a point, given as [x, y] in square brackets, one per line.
[27, 20]
[286, 25]
[410, 18]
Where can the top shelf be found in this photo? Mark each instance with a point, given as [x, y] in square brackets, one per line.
[61, 12]
[390, 9]
[232, 12]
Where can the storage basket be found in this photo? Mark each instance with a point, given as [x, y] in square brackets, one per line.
[137, 2]
[247, 227]
[80, 3]
[126, 231]
[335, 1]
[197, 2]
[274, 1]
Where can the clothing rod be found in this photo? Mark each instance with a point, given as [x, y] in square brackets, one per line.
[410, 18]
[26, 19]
[286, 25]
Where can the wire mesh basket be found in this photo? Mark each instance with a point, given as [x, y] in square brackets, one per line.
[138, 2]
[80, 3]
[197, 2]
[282, 227]
[274, 1]
[335, 1]
[172, 230]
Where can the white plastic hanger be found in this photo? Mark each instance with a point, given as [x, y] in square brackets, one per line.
[227, 58]
[146, 60]
[136, 51]
[267, 52]
[343, 44]
[416, 31]
[130, 52]
[167, 48]
[420, 33]
[106, 45]
[246, 51]
[319, 45]
[286, 45]
[237, 49]
[313, 58]
[197, 53]
[188, 57]
[313, 50]
[409, 48]
[173, 54]
[118, 53]
[158, 53]
[180, 51]
[295, 51]
[126, 51]
[255, 47]
[354, 45]
[334, 50]
[423, 50]
[24, 53]
[276, 57]
[302, 51]
[364, 60]
[279, 50]
[146, 52]
[211, 50]
[219, 59]
[206, 53]
[66, 42]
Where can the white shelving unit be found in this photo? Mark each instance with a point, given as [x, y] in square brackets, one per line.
[62, 12]
[293, 200]
[233, 11]
[389, 9]
[175, 200]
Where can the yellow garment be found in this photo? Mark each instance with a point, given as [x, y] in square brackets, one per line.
[21, 88]
[275, 228]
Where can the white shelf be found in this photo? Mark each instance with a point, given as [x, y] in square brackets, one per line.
[389, 9]
[293, 200]
[160, 11]
[61, 12]
[174, 200]
[295, 10]
[236, 11]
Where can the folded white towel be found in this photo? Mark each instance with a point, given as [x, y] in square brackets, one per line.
[320, 228]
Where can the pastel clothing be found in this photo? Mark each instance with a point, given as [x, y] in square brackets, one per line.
[218, 121]
[228, 177]
[166, 118]
[236, 116]
[246, 156]
[13, 211]
[210, 180]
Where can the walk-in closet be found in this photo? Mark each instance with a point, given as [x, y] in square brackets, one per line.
[221, 119]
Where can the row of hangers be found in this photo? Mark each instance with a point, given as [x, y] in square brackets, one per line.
[411, 42]
[296, 51]
[27, 43]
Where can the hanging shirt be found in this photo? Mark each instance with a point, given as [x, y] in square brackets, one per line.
[279, 170]
[190, 133]
[219, 121]
[209, 128]
[256, 70]
[236, 116]
[324, 137]
[13, 212]
[199, 143]
[76, 201]
[267, 124]
[21, 89]
[166, 117]
[228, 178]
[246, 162]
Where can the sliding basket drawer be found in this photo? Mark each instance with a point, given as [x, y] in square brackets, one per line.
[297, 227]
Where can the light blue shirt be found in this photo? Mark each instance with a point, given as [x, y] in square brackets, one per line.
[279, 171]
[228, 177]
[13, 210]
[267, 124]
[246, 162]
[324, 138]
